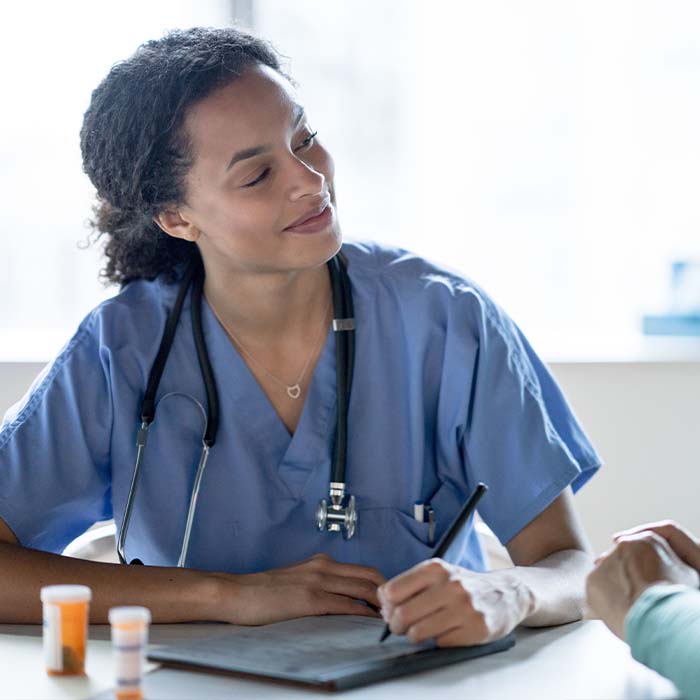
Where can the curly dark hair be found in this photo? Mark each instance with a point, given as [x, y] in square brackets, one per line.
[135, 149]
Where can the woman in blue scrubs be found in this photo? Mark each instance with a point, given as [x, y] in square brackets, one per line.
[198, 147]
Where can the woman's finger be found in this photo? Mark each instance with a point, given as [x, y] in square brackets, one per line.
[422, 605]
[332, 604]
[413, 581]
[357, 588]
[464, 635]
[325, 564]
[439, 623]
[367, 573]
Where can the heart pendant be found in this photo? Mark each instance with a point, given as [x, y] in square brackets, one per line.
[294, 391]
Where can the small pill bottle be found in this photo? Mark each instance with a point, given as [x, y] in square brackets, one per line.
[129, 640]
[65, 621]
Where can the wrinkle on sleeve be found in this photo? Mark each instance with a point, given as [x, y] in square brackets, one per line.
[55, 447]
[521, 437]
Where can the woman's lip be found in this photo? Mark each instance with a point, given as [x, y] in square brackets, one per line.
[315, 223]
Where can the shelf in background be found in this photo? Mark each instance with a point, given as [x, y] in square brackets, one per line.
[631, 348]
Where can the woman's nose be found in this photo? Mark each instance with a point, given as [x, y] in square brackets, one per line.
[305, 180]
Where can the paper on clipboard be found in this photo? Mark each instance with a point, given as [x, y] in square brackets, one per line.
[332, 652]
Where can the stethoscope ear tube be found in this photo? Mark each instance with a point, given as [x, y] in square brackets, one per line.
[148, 405]
[344, 327]
[203, 357]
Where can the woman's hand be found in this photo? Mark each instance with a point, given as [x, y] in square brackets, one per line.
[644, 556]
[454, 606]
[316, 586]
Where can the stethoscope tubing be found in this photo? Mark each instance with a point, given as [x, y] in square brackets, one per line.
[343, 325]
[203, 357]
[141, 446]
[345, 358]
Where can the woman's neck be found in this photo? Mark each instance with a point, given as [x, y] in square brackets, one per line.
[261, 307]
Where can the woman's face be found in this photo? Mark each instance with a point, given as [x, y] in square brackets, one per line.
[259, 192]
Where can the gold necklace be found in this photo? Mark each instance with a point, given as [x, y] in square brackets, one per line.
[293, 390]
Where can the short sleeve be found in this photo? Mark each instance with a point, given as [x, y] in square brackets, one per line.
[55, 446]
[521, 438]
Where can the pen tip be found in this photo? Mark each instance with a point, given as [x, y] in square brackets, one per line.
[385, 634]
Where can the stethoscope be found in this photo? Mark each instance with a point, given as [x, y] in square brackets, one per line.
[338, 513]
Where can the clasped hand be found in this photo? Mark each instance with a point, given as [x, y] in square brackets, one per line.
[661, 552]
[454, 606]
[316, 586]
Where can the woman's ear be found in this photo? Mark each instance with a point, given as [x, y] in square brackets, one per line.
[174, 224]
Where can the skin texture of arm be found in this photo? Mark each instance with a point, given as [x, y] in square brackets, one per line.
[316, 586]
[552, 558]
[456, 606]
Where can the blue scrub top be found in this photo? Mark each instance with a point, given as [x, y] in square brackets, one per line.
[446, 392]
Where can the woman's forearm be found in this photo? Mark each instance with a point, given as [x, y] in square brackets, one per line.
[557, 585]
[172, 595]
[316, 586]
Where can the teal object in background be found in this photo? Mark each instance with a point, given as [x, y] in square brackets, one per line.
[683, 315]
[671, 324]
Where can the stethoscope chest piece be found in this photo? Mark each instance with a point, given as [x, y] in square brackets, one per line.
[340, 515]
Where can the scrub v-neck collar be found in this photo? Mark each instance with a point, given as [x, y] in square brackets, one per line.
[241, 397]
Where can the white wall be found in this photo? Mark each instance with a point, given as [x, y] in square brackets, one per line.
[15, 378]
[642, 417]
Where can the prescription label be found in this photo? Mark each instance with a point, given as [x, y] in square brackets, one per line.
[53, 653]
[129, 644]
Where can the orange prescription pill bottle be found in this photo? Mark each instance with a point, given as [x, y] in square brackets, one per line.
[129, 639]
[65, 617]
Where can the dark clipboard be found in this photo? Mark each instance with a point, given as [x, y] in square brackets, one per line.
[330, 653]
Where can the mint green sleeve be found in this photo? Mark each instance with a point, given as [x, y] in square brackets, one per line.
[663, 631]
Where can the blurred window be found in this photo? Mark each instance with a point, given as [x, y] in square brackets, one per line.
[53, 54]
[547, 149]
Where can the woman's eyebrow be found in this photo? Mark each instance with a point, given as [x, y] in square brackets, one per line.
[246, 153]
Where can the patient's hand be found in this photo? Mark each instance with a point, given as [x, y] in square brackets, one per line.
[640, 559]
[682, 542]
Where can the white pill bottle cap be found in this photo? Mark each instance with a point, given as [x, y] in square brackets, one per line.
[129, 614]
[66, 594]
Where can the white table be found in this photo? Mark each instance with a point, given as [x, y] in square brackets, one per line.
[582, 660]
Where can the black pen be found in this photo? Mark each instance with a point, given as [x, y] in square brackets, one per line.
[444, 544]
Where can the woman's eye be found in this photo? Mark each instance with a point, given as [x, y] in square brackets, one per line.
[308, 141]
[259, 178]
